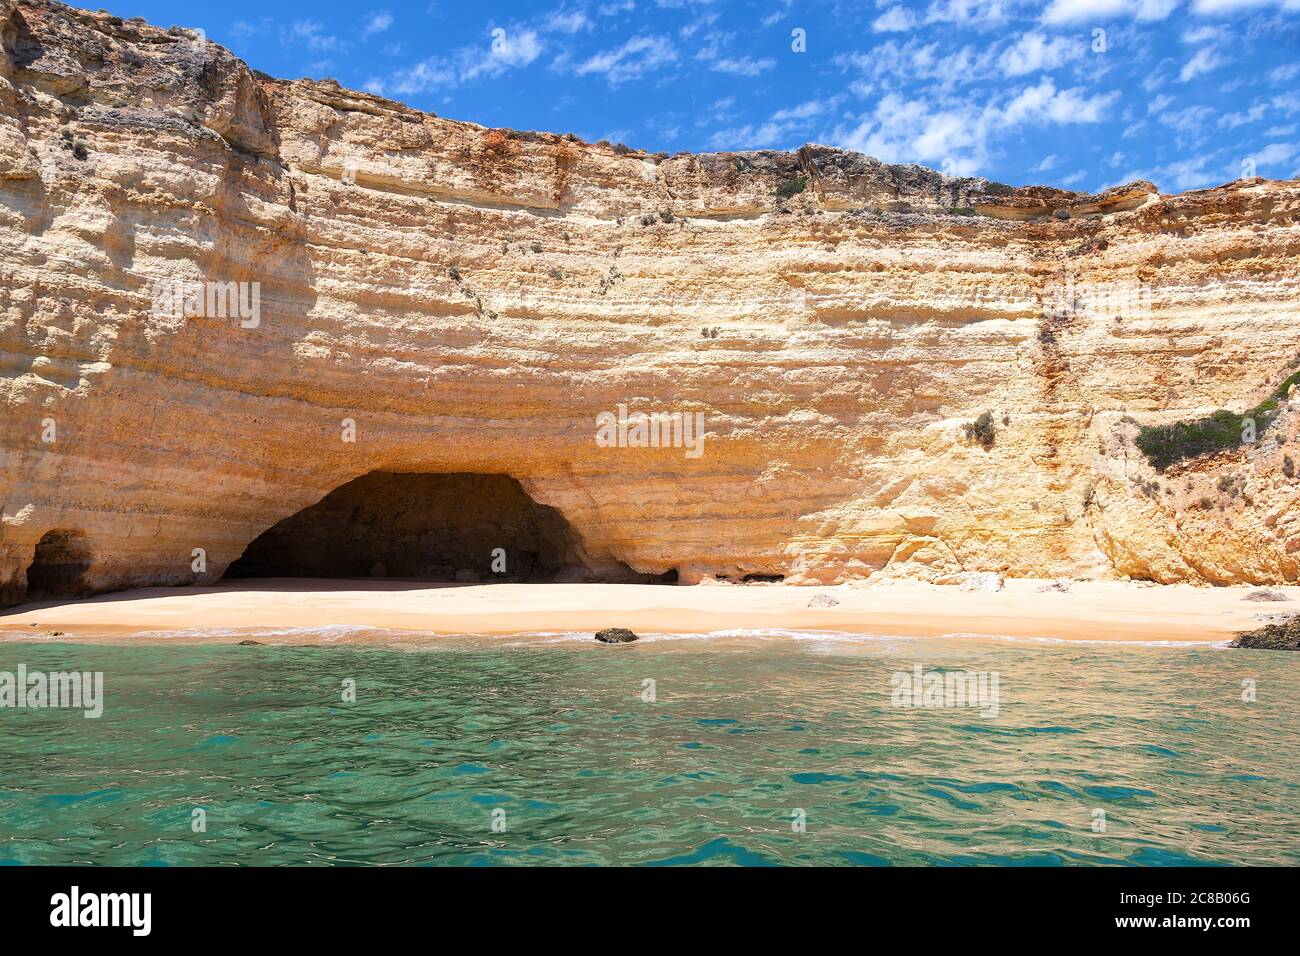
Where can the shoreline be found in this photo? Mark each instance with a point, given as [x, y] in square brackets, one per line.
[1087, 611]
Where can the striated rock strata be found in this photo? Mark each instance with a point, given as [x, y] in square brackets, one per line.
[461, 300]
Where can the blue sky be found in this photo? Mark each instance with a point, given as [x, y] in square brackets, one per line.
[1077, 93]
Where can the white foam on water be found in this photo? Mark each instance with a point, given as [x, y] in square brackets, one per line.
[842, 637]
[332, 633]
[760, 634]
[325, 632]
[1085, 640]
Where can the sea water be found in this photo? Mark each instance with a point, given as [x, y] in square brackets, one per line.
[735, 748]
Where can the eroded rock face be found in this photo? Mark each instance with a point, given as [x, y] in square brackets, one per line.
[465, 300]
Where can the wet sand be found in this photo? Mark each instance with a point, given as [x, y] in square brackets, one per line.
[1102, 610]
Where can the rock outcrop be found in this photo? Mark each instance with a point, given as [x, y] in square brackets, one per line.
[894, 373]
[1271, 637]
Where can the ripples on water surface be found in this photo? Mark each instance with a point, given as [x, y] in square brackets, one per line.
[555, 734]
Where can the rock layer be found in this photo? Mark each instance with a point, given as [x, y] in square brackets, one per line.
[436, 297]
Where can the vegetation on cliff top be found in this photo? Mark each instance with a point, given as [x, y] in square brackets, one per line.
[1165, 445]
[792, 187]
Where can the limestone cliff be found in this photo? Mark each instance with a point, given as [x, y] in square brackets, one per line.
[470, 300]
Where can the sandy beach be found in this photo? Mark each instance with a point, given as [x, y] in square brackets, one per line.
[1111, 611]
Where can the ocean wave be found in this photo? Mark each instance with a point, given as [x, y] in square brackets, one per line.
[843, 637]
[325, 632]
[334, 633]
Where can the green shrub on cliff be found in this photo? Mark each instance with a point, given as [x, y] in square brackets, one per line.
[1165, 445]
[981, 430]
[792, 187]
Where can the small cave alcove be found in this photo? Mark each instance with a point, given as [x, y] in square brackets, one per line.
[426, 527]
[59, 566]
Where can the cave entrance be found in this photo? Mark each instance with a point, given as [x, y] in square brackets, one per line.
[425, 527]
[59, 566]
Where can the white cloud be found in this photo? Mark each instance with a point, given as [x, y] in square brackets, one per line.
[635, 58]
[805, 110]
[1217, 7]
[1047, 163]
[243, 30]
[917, 60]
[958, 136]
[698, 24]
[1035, 52]
[1205, 34]
[1046, 102]
[566, 21]
[1284, 73]
[377, 22]
[742, 66]
[893, 20]
[1191, 173]
[1252, 115]
[432, 74]
[309, 32]
[1190, 120]
[781, 130]
[1159, 104]
[973, 13]
[1274, 154]
[1075, 11]
[1206, 60]
[508, 49]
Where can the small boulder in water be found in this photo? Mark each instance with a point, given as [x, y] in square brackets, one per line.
[251, 644]
[1272, 637]
[1265, 595]
[822, 600]
[616, 635]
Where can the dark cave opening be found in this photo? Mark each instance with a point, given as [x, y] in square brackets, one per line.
[427, 527]
[59, 566]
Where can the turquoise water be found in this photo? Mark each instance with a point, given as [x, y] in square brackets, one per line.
[555, 734]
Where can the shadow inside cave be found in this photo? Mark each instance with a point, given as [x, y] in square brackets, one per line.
[59, 566]
[455, 527]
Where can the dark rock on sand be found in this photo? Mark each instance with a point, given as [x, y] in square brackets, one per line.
[1266, 596]
[1272, 637]
[822, 600]
[251, 644]
[616, 635]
